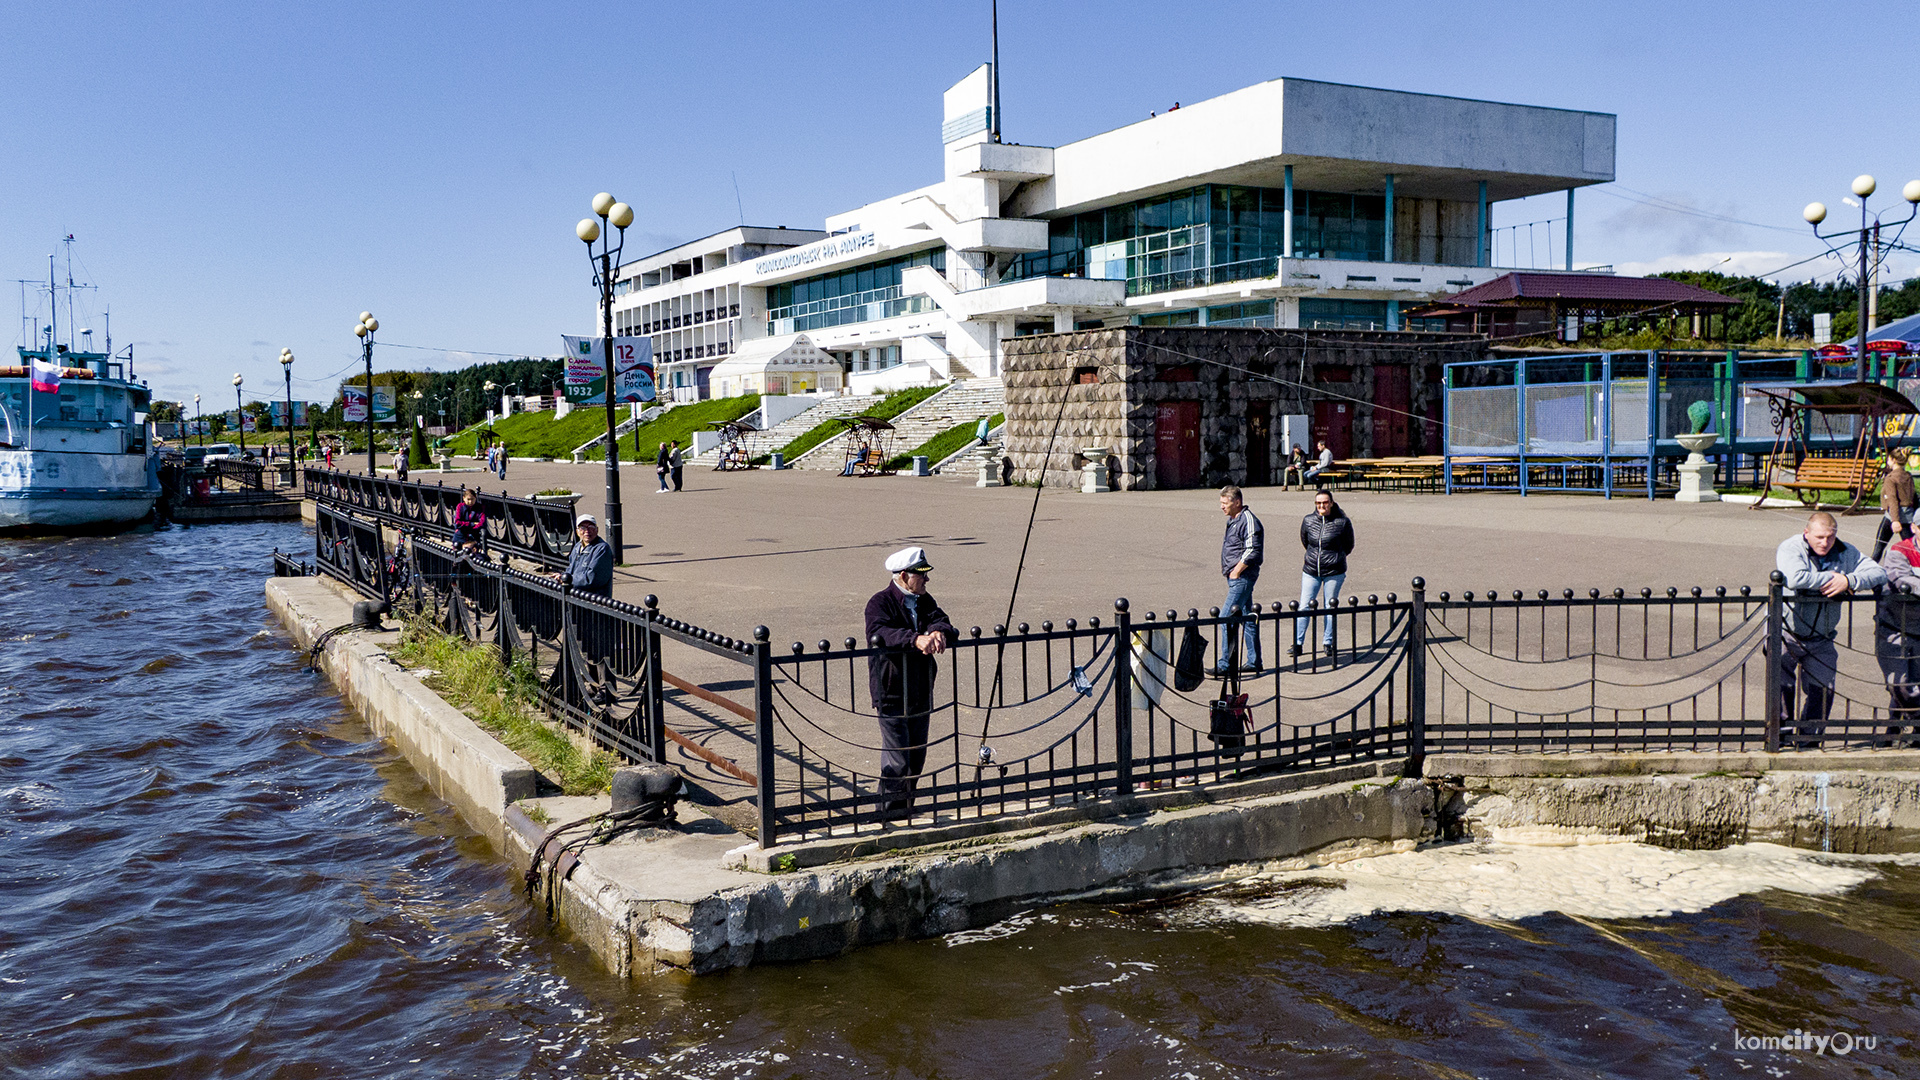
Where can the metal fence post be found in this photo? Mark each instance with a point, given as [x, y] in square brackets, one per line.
[654, 689]
[502, 613]
[1776, 693]
[1417, 679]
[1122, 698]
[763, 732]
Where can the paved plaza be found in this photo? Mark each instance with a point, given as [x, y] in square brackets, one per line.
[801, 551]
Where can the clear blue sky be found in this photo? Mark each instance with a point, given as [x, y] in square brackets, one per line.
[246, 177]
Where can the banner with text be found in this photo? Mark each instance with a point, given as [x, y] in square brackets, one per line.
[383, 411]
[280, 414]
[353, 404]
[587, 370]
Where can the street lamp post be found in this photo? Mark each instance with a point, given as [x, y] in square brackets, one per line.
[619, 215]
[240, 416]
[364, 331]
[199, 420]
[286, 365]
[1815, 213]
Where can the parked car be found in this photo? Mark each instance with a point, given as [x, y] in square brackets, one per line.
[224, 452]
[196, 455]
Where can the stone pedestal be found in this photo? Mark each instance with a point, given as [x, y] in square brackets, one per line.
[1696, 473]
[989, 458]
[1093, 475]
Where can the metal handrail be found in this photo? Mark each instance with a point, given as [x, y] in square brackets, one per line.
[538, 531]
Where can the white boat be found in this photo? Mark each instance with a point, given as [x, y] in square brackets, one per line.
[80, 457]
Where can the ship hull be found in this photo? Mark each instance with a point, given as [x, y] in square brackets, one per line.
[69, 491]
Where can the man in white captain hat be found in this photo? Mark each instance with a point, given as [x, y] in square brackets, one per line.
[907, 629]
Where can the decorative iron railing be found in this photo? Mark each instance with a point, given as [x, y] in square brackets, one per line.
[1028, 718]
[538, 531]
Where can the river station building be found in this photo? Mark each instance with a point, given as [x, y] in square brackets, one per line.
[1288, 204]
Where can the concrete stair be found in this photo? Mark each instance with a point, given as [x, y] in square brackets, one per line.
[960, 403]
[766, 442]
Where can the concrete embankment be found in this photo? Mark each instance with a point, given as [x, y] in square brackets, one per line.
[1850, 801]
[699, 896]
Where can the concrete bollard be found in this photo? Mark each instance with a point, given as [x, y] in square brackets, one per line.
[1093, 475]
[779, 461]
[920, 465]
[579, 457]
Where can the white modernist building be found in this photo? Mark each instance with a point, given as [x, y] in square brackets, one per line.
[1290, 203]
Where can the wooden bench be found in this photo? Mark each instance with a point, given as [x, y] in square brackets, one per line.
[1855, 476]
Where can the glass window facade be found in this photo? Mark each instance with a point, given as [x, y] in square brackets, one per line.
[1251, 313]
[1317, 314]
[1208, 234]
[857, 294]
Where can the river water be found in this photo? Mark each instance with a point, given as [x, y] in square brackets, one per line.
[212, 869]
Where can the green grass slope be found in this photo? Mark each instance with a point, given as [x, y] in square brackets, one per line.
[540, 435]
[886, 409]
[946, 444]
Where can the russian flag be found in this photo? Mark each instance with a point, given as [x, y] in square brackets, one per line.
[46, 377]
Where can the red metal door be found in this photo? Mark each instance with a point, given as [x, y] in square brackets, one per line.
[1392, 404]
[1176, 444]
[1333, 425]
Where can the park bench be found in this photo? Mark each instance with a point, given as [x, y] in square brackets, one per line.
[1855, 476]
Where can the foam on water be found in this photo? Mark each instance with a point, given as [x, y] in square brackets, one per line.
[1527, 873]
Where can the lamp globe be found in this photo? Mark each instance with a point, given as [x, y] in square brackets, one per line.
[602, 203]
[1815, 213]
[621, 215]
[1863, 185]
[588, 230]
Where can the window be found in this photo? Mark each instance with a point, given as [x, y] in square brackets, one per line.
[859, 294]
[1252, 313]
[1190, 317]
[1319, 314]
[1086, 376]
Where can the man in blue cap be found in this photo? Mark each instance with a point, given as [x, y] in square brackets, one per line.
[907, 628]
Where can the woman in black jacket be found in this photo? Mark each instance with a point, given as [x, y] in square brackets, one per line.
[1327, 536]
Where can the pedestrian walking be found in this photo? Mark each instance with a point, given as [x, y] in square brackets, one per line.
[1240, 552]
[1819, 568]
[1897, 501]
[660, 467]
[501, 447]
[907, 630]
[675, 464]
[400, 462]
[1327, 536]
[1896, 640]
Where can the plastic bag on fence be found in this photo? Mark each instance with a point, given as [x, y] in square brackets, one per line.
[1190, 670]
[1230, 720]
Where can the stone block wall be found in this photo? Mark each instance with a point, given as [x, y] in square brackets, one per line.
[1090, 388]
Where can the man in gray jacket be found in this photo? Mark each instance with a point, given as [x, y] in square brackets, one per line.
[1241, 551]
[1819, 568]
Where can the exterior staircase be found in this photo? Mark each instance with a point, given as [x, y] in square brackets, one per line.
[960, 403]
[766, 442]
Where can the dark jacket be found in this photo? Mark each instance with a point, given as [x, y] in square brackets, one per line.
[900, 675]
[1245, 542]
[1328, 540]
[590, 567]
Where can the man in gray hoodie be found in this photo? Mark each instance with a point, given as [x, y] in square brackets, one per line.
[1819, 568]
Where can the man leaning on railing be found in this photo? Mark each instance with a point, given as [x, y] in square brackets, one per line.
[1819, 568]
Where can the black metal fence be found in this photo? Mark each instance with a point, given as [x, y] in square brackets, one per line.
[1030, 717]
[539, 531]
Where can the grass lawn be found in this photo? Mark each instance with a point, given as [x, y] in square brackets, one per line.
[946, 444]
[886, 409]
[538, 434]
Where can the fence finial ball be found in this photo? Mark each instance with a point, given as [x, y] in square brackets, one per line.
[761, 633]
[1419, 583]
[1120, 605]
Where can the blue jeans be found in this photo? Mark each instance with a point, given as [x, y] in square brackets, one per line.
[1240, 595]
[1327, 589]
